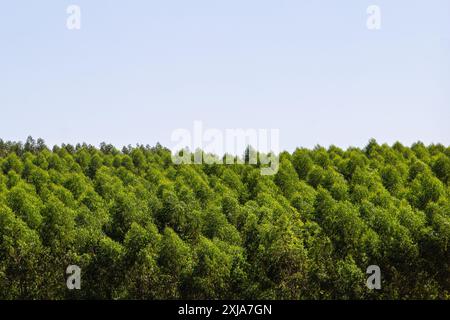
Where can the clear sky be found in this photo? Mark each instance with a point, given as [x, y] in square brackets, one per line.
[137, 70]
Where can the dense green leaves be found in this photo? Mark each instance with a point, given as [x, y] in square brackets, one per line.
[142, 227]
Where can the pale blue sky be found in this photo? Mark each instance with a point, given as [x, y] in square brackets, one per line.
[137, 70]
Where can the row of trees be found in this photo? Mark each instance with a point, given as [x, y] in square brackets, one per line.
[142, 227]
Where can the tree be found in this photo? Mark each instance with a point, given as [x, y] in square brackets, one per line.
[176, 263]
[141, 227]
[441, 167]
[26, 205]
[21, 274]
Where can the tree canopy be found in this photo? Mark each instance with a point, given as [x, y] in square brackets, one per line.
[142, 227]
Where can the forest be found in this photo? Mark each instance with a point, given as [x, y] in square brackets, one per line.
[141, 227]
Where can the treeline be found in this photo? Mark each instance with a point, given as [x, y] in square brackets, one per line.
[141, 227]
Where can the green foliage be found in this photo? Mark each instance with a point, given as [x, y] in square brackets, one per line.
[142, 227]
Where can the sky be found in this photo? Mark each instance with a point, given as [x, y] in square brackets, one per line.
[138, 70]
